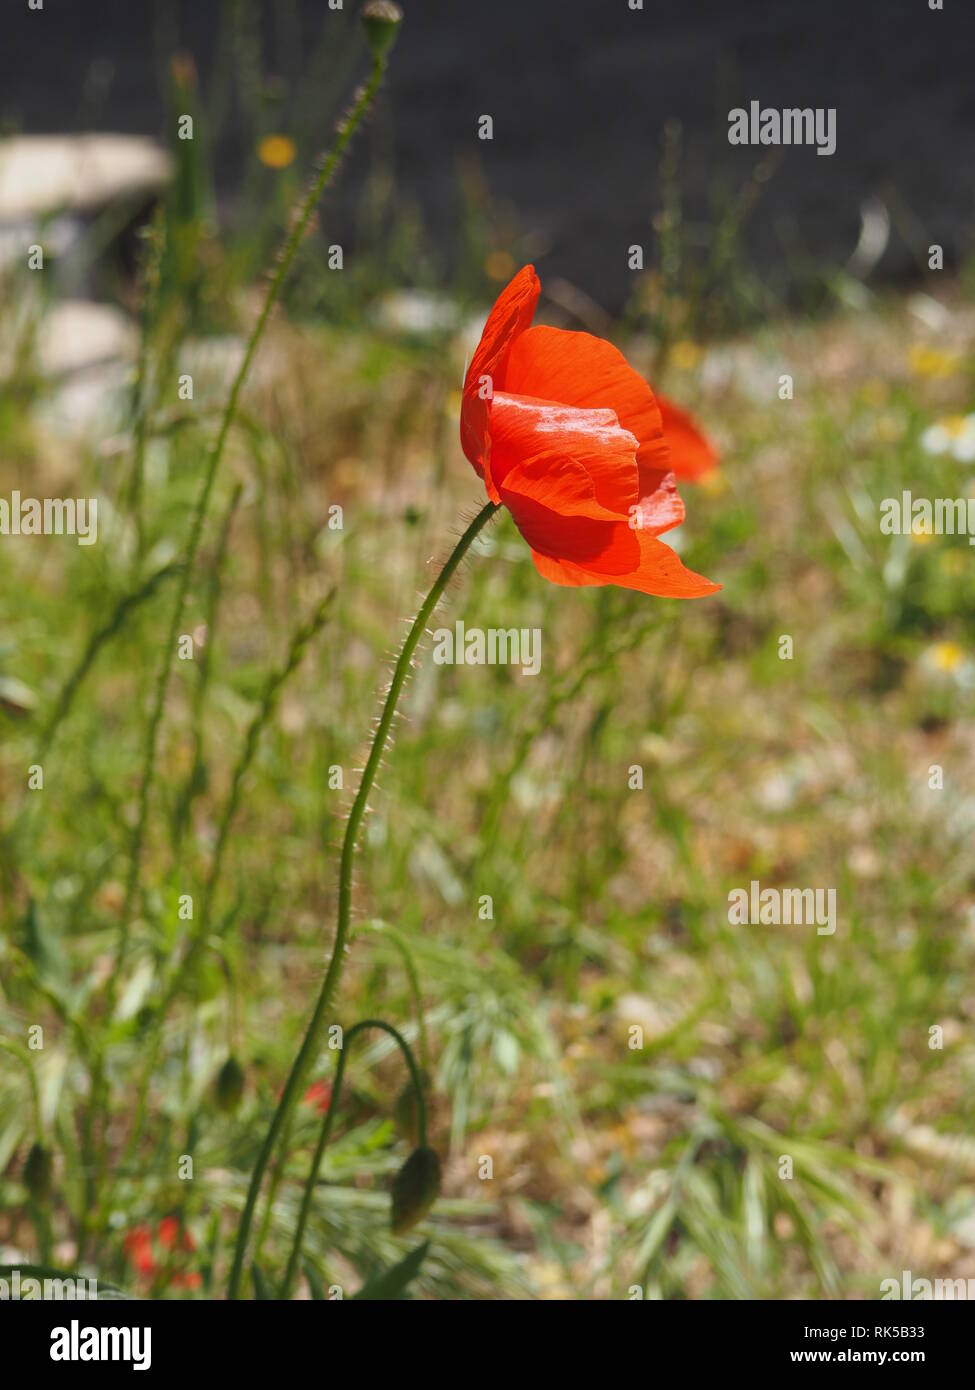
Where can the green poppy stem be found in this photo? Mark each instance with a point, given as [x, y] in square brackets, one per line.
[326, 1132]
[333, 973]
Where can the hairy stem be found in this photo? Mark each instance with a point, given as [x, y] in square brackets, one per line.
[326, 1132]
[294, 239]
[310, 1042]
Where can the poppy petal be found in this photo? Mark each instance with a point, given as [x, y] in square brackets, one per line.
[608, 549]
[661, 511]
[512, 313]
[691, 453]
[578, 369]
[524, 428]
[660, 572]
[553, 506]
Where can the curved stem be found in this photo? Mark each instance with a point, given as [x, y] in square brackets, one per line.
[413, 981]
[329, 984]
[324, 1136]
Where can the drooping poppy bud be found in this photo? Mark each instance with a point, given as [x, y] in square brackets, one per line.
[415, 1189]
[230, 1085]
[381, 20]
[38, 1169]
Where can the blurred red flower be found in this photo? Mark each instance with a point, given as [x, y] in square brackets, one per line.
[171, 1235]
[138, 1249]
[319, 1094]
[574, 443]
[142, 1250]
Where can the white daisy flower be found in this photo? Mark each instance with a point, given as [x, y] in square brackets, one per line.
[954, 435]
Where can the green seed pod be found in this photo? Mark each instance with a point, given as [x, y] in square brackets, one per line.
[381, 20]
[415, 1189]
[38, 1168]
[230, 1085]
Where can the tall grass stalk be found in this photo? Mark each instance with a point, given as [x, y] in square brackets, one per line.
[272, 690]
[262, 716]
[293, 240]
[299, 227]
[184, 804]
[98, 639]
[61, 708]
[152, 281]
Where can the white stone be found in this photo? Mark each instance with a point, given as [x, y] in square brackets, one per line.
[78, 333]
[52, 173]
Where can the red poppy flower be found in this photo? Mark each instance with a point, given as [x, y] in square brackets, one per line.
[575, 444]
[319, 1094]
[171, 1236]
[137, 1246]
[141, 1249]
[691, 453]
